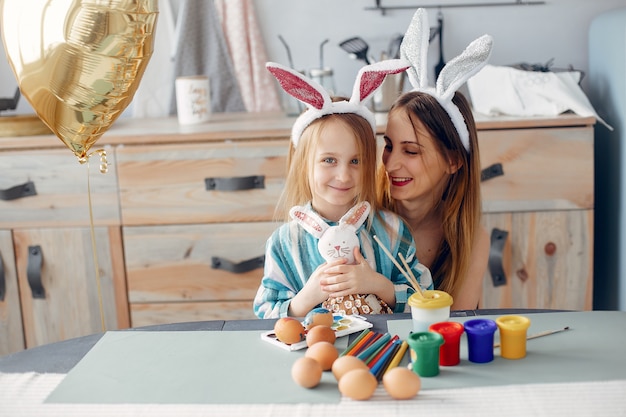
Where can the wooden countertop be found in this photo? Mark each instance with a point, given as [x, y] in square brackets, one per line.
[235, 126]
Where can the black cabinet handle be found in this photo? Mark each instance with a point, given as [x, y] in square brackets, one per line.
[18, 191]
[237, 268]
[33, 271]
[491, 171]
[234, 183]
[3, 284]
[496, 269]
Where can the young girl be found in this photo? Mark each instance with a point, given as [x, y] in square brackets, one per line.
[431, 172]
[331, 171]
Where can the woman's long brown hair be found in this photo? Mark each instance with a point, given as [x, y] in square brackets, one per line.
[461, 200]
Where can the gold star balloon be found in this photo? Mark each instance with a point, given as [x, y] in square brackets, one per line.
[78, 62]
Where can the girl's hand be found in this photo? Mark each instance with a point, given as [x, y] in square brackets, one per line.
[312, 293]
[344, 280]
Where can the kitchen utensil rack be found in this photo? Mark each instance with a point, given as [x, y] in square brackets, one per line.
[383, 9]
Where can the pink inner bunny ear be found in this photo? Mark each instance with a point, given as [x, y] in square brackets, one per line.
[297, 87]
[372, 79]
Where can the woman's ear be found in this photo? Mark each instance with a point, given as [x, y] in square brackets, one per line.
[454, 164]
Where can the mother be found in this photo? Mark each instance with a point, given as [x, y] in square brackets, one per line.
[431, 167]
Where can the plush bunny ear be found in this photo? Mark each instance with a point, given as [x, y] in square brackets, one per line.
[460, 69]
[357, 215]
[310, 221]
[370, 77]
[414, 48]
[318, 100]
[454, 74]
[295, 84]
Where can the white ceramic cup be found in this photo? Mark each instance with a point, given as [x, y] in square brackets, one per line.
[193, 99]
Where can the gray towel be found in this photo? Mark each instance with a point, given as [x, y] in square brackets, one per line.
[201, 50]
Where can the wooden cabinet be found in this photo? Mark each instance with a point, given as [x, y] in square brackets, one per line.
[541, 209]
[196, 217]
[51, 289]
[182, 218]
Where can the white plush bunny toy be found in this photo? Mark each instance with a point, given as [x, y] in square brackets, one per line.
[334, 241]
[339, 241]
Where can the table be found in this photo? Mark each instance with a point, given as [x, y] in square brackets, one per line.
[26, 379]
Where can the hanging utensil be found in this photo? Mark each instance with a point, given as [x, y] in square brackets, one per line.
[289, 59]
[441, 62]
[322, 53]
[356, 47]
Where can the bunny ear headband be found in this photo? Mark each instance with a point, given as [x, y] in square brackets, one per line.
[319, 102]
[455, 73]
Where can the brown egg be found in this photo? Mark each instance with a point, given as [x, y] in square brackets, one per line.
[320, 333]
[289, 330]
[344, 364]
[324, 352]
[401, 383]
[358, 384]
[306, 372]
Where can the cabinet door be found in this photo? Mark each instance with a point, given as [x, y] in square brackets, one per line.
[547, 260]
[201, 183]
[75, 301]
[182, 272]
[11, 331]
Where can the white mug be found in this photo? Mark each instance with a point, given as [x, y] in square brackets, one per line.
[193, 99]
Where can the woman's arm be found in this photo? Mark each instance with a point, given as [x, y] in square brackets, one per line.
[469, 293]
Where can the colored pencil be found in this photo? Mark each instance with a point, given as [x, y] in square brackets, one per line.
[381, 367]
[371, 361]
[354, 343]
[366, 341]
[365, 353]
[398, 356]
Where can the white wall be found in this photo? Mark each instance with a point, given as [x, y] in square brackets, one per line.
[533, 34]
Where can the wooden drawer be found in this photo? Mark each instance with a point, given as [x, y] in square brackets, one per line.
[174, 264]
[166, 184]
[544, 169]
[60, 184]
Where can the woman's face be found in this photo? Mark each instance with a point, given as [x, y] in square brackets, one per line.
[414, 165]
[336, 176]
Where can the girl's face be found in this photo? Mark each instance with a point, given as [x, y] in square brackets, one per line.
[336, 171]
[414, 165]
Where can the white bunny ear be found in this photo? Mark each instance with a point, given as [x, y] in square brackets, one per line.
[414, 48]
[357, 215]
[310, 221]
[370, 77]
[295, 84]
[460, 69]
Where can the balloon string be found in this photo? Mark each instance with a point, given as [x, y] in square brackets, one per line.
[103, 169]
